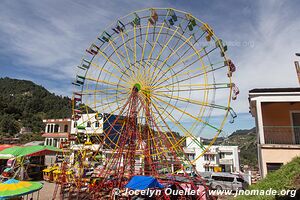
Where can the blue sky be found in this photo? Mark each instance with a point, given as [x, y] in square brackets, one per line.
[43, 40]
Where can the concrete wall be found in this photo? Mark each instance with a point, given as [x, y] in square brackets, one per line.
[277, 155]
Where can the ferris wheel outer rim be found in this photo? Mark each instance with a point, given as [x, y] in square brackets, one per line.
[225, 57]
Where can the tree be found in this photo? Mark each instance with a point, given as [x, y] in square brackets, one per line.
[9, 125]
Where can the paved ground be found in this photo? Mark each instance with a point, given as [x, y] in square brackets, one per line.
[45, 193]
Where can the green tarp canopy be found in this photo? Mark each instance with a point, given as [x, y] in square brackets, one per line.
[20, 151]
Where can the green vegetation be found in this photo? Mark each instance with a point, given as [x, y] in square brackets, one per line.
[25, 104]
[287, 177]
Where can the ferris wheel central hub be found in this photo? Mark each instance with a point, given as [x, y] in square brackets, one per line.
[137, 87]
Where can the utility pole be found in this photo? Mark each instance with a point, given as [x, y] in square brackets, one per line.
[297, 66]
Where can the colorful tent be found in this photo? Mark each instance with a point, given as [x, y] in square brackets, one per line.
[143, 182]
[5, 146]
[20, 151]
[15, 188]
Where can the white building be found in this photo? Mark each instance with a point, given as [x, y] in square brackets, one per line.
[90, 123]
[217, 158]
[56, 131]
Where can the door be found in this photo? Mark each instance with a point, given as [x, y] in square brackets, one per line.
[296, 126]
[235, 185]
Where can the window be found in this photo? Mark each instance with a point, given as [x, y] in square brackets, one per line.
[296, 125]
[48, 128]
[209, 157]
[75, 124]
[191, 156]
[240, 180]
[97, 124]
[56, 127]
[66, 128]
[206, 157]
[55, 142]
[223, 178]
[222, 155]
[273, 166]
[88, 124]
[206, 168]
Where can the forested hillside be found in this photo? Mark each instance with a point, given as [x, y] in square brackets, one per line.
[25, 104]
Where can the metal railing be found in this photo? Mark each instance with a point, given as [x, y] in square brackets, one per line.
[282, 134]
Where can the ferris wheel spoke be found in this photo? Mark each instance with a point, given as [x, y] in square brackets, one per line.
[197, 52]
[117, 53]
[134, 41]
[169, 130]
[175, 122]
[192, 101]
[106, 82]
[176, 64]
[160, 132]
[192, 71]
[190, 47]
[107, 72]
[113, 64]
[162, 50]
[100, 92]
[169, 56]
[140, 72]
[110, 99]
[187, 90]
[157, 37]
[110, 127]
[177, 74]
[186, 113]
[126, 50]
[145, 42]
[189, 86]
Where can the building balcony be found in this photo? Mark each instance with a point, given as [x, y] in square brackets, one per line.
[286, 135]
[226, 161]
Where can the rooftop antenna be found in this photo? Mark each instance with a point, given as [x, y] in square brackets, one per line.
[297, 66]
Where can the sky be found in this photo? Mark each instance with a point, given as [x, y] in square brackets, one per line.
[44, 40]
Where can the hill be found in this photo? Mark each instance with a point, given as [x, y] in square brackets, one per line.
[25, 104]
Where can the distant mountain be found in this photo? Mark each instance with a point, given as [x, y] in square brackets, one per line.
[25, 104]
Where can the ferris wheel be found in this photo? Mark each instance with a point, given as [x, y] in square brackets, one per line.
[154, 77]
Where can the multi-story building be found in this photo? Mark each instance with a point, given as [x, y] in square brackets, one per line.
[217, 158]
[277, 117]
[56, 131]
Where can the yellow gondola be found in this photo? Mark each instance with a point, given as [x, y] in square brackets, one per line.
[56, 175]
[48, 173]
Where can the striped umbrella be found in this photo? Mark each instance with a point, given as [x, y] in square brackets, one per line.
[15, 188]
